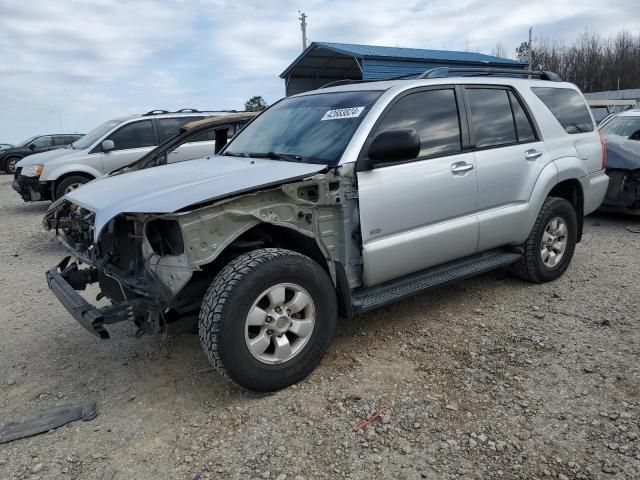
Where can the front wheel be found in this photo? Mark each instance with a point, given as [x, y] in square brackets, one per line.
[69, 184]
[551, 243]
[268, 318]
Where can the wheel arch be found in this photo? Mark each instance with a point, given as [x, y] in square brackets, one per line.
[265, 235]
[571, 190]
[56, 182]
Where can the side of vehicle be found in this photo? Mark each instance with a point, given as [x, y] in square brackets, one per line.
[110, 146]
[11, 155]
[438, 180]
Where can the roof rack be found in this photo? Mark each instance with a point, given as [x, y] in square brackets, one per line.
[443, 72]
[185, 110]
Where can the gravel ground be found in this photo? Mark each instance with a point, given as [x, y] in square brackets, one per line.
[489, 378]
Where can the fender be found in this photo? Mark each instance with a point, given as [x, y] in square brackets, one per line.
[570, 168]
[66, 169]
[547, 179]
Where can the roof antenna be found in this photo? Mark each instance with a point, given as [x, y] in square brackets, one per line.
[303, 27]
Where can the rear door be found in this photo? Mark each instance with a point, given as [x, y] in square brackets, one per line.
[509, 155]
[131, 141]
[421, 213]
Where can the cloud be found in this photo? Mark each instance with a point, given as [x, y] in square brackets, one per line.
[96, 60]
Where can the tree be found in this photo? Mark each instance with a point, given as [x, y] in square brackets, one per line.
[255, 104]
[522, 52]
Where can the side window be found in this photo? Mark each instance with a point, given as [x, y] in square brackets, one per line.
[491, 117]
[567, 106]
[42, 142]
[524, 129]
[168, 127]
[207, 136]
[433, 114]
[61, 140]
[134, 135]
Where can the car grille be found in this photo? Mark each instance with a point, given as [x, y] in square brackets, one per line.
[18, 170]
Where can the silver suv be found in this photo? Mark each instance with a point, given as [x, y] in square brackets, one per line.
[335, 202]
[114, 144]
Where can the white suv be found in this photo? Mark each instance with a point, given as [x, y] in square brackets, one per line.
[115, 143]
[335, 201]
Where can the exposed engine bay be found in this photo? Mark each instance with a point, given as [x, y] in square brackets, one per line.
[155, 268]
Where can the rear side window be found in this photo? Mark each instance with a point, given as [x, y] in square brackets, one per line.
[524, 130]
[134, 135]
[168, 127]
[567, 106]
[433, 114]
[491, 117]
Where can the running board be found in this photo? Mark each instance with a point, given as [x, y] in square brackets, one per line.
[411, 285]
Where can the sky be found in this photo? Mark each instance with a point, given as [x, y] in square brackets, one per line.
[71, 65]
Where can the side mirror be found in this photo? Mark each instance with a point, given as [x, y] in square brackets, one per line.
[108, 145]
[32, 146]
[394, 146]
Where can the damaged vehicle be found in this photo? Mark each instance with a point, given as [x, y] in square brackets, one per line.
[218, 129]
[622, 134]
[335, 202]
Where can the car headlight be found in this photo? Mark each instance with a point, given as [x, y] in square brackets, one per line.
[32, 170]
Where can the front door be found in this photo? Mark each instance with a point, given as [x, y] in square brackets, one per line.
[131, 141]
[421, 213]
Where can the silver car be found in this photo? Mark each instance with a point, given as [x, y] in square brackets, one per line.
[114, 144]
[335, 202]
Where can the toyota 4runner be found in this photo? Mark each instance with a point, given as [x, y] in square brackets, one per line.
[335, 202]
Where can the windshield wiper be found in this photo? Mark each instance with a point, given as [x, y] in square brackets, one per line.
[276, 156]
[234, 154]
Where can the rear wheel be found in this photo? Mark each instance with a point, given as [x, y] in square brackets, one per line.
[69, 184]
[268, 318]
[551, 243]
[10, 165]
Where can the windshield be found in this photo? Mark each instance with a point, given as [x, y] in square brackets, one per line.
[312, 128]
[622, 127]
[95, 134]
[27, 141]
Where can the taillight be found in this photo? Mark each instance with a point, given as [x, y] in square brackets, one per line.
[604, 150]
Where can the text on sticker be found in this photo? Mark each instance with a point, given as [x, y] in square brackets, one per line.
[351, 112]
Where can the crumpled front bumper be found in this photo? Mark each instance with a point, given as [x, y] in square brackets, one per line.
[30, 188]
[64, 279]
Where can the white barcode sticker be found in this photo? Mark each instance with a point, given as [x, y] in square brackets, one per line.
[340, 113]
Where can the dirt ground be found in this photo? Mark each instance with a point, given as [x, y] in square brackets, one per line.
[489, 378]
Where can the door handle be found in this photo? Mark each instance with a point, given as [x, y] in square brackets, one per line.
[461, 167]
[532, 155]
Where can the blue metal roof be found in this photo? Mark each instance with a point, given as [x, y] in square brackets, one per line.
[413, 53]
[402, 56]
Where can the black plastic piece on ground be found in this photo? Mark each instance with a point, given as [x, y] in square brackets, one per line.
[46, 420]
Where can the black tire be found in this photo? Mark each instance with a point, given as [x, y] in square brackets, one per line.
[10, 165]
[531, 266]
[227, 303]
[62, 185]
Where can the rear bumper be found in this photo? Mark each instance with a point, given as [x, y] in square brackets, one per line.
[31, 189]
[92, 318]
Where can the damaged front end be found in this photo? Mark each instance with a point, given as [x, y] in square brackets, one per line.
[623, 194]
[138, 261]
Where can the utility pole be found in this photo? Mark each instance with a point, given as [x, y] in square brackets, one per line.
[60, 121]
[303, 27]
[530, 48]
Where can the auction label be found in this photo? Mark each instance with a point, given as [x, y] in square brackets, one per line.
[340, 113]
